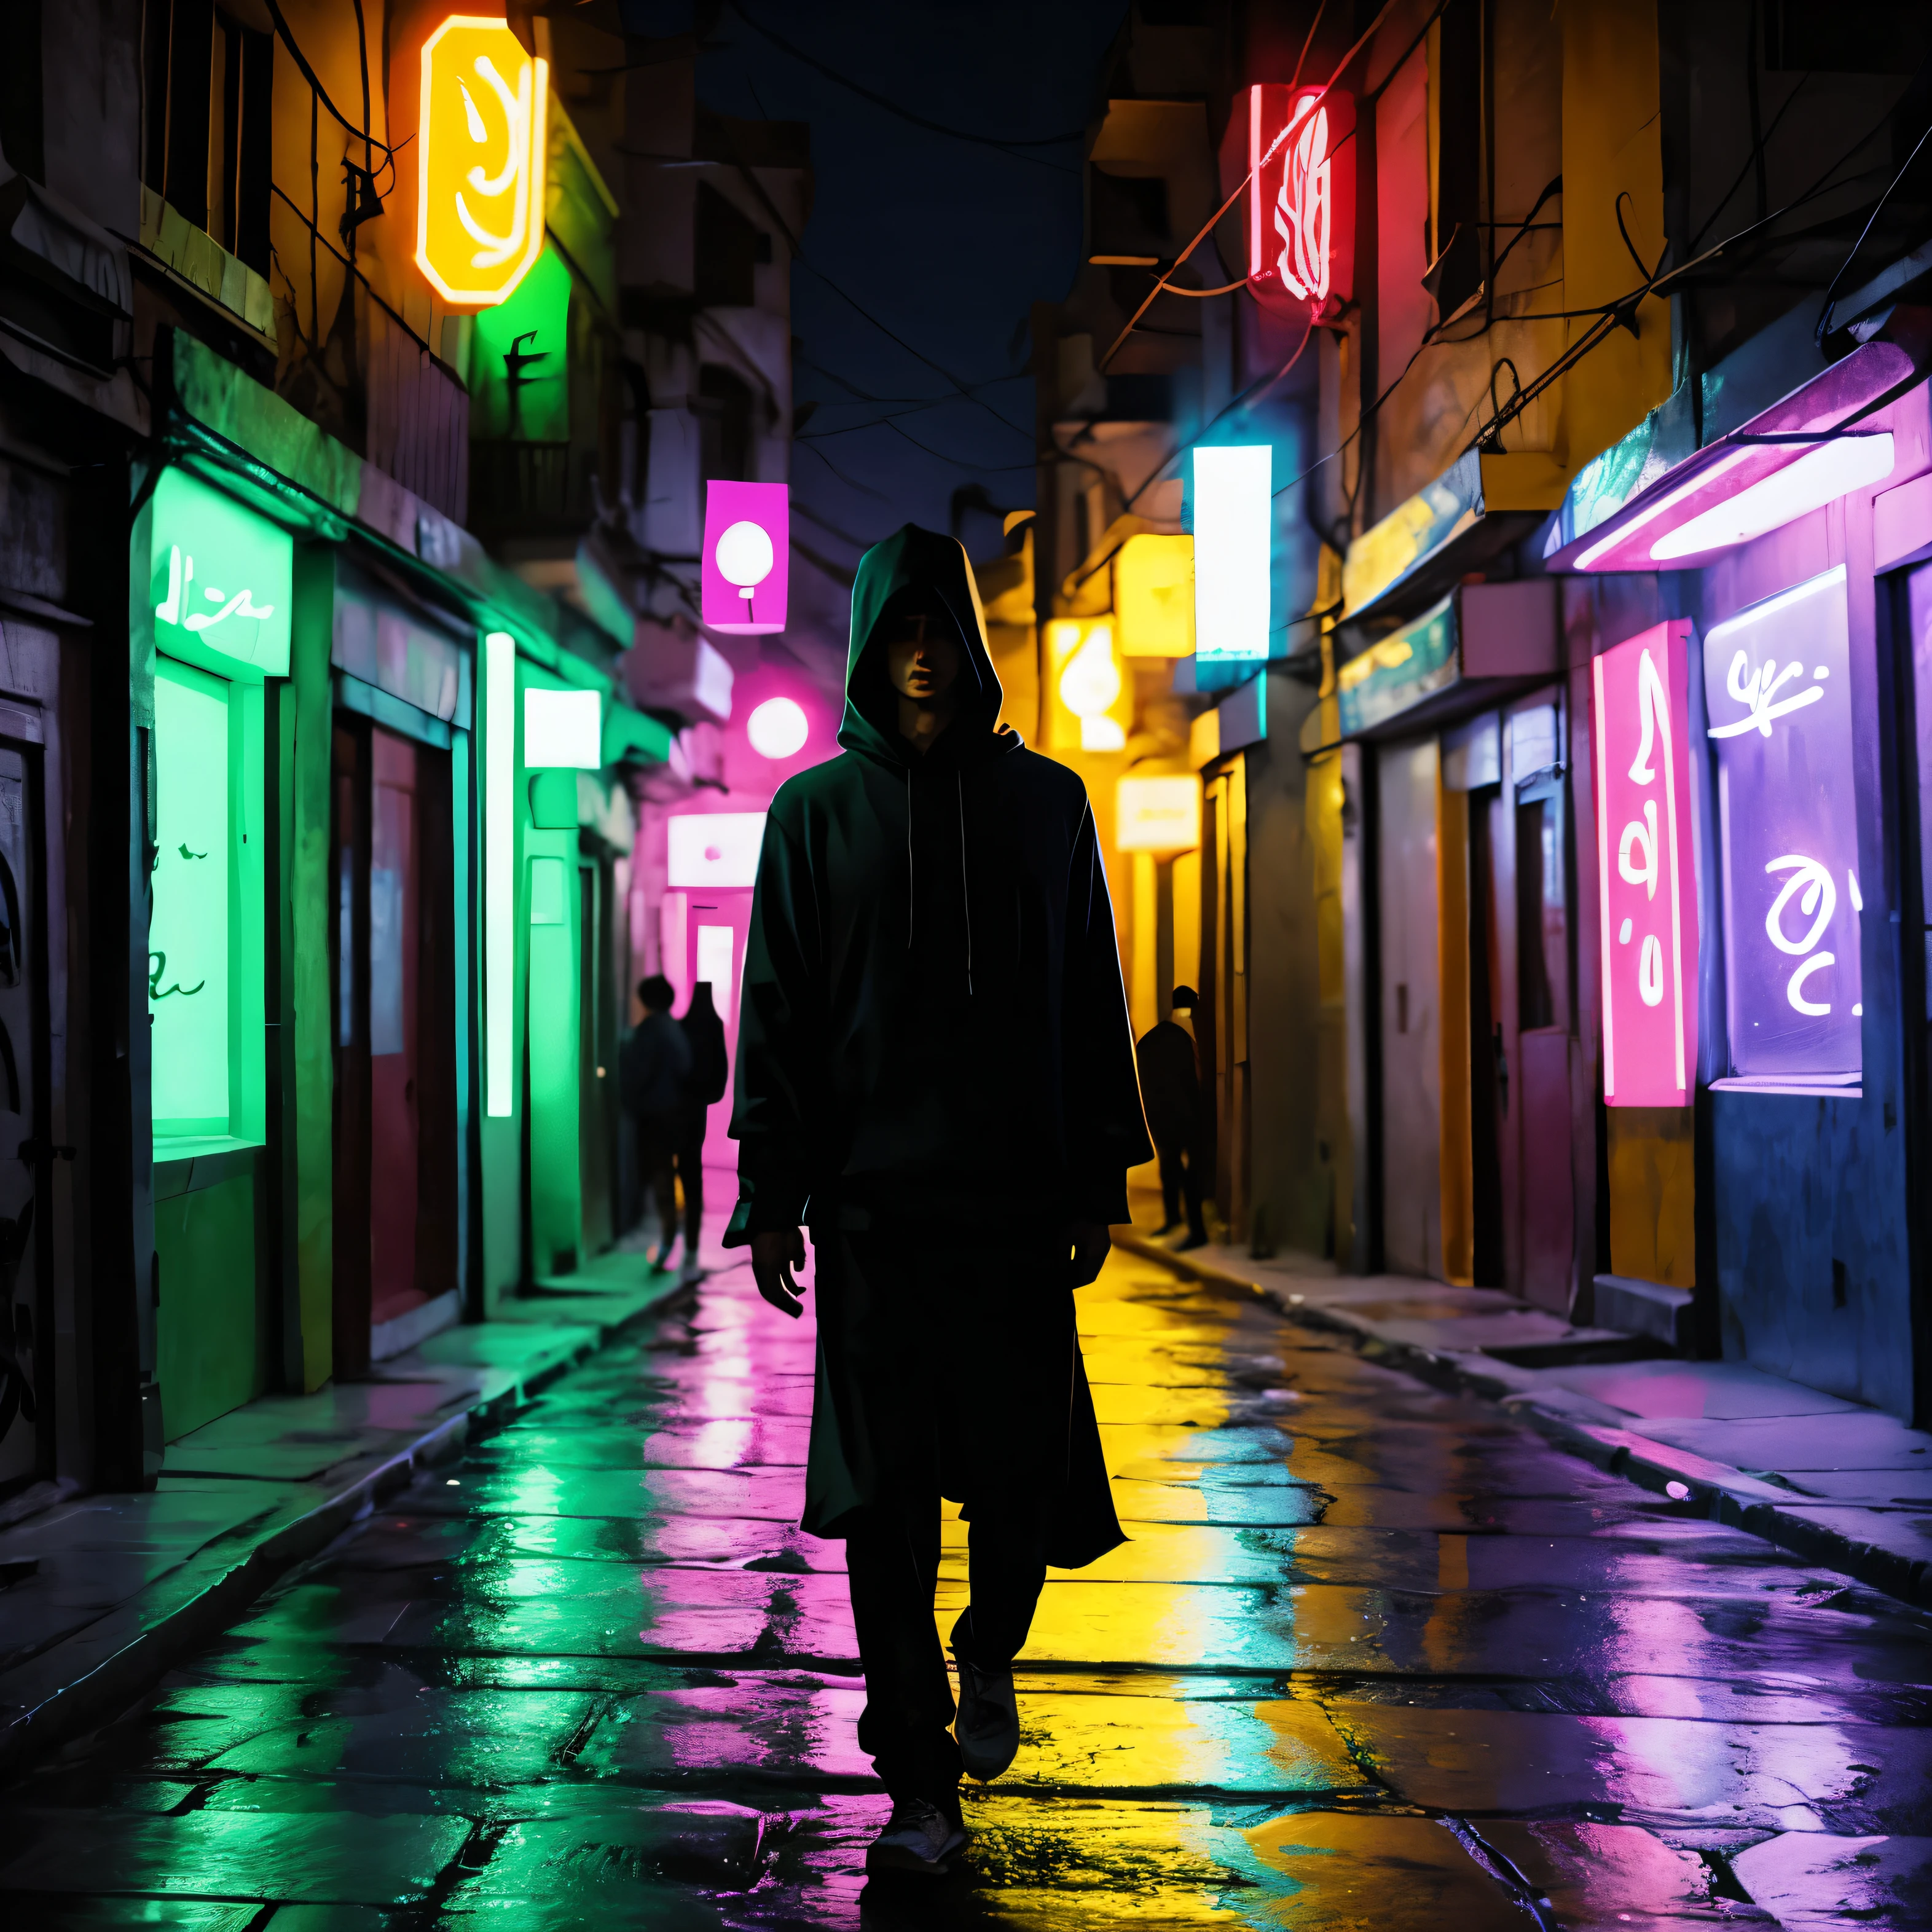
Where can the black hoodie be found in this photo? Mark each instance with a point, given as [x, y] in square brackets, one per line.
[932, 1023]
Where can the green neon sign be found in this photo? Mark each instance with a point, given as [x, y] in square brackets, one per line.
[221, 581]
[519, 361]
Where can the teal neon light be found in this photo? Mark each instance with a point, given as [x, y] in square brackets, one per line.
[205, 938]
[499, 871]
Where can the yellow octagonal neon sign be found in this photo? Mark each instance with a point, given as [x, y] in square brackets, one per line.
[480, 204]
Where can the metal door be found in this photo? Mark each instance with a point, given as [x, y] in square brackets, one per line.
[395, 899]
[1408, 795]
[26, 1327]
[1546, 1188]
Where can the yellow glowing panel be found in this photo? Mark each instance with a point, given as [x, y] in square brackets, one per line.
[480, 199]
[1153, 595]
[1092, 700]
[1157, 815]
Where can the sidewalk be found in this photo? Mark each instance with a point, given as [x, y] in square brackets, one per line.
[103, 1591]
[1374, 1655]
[1836, 1482]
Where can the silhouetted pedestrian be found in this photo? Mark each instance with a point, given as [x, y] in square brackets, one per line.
[935, 1071]
[1171, 1092]
[652, 1067]
[703, 1086]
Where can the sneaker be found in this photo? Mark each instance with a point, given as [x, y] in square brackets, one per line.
[918, 1837]
[988, 1730]
[1192, 1242]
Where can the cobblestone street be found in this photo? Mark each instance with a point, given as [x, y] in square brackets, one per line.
[1374, 1656]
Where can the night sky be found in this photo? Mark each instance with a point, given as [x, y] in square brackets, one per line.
[942, 242]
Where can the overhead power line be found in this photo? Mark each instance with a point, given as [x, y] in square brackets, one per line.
[1014, 147]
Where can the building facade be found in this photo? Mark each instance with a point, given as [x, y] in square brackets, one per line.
[1599, 269]
[325, 745]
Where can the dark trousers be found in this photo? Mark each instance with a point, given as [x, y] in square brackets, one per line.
[893, 1558]
[657, 1138]
[1180, 1155]
[690, 1178]
[948, 1366]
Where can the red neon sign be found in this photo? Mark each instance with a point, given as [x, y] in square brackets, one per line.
[1301, 198]
[1647, 876]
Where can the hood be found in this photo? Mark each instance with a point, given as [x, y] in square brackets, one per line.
[912, 559]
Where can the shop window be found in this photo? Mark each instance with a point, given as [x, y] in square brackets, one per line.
[208, 81]
[22, 129]
[723, 412]
[726, 247]
[1777, 681]
[220, 586]
[1456, 273]
[204, 957]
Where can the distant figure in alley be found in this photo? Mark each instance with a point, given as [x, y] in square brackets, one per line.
[1170, 1089]
[653, 1067]
[936, 1075]
[704, 1084]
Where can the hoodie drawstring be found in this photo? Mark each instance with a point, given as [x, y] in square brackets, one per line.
[965, 889]
[912, 883]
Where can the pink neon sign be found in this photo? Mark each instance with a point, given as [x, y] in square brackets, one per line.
[1301, 198]
[747, 557]
[1648, 877]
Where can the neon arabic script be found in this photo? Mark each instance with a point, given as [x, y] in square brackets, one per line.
[1758, 694]
[494, 249]
[180, 588]
[1303, 210]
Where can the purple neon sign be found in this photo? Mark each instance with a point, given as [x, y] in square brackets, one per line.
[1777, 680]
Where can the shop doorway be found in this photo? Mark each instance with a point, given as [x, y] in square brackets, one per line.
[1522, 1192]
[601, 977]
[395, 1183]
[1407, 788]
[26, 1358]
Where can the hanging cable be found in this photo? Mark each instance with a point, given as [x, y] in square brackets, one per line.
[1011, 148]
[287, 37]
[1160, 286]
[1824, 327]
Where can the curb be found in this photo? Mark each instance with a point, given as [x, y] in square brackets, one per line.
[1727, 1495]
[230, 1584]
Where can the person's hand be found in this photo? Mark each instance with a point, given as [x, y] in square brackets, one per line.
[776, 1258]
[1091, 1241]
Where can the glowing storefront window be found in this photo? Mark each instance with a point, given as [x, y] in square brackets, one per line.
[715, 949]
[715, 849]
[1234, 531]
[500, 872]
[204, 990]
[562, 728]
[1777, 680]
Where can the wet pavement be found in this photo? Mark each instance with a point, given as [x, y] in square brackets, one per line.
[1375, 1656]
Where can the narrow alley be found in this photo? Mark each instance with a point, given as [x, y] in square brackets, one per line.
[1373, 1656]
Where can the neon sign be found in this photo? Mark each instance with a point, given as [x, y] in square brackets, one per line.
[480, 183]
[1301, 196]
[1647, 880]
[1234, 540]
[747, 560]
[221, 579]
[1777, 679]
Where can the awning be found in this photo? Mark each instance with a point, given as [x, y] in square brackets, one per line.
[1804, 452]
[1475, 510]
[1481, 644]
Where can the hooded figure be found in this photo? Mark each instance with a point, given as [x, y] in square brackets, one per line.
[936, 1074]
